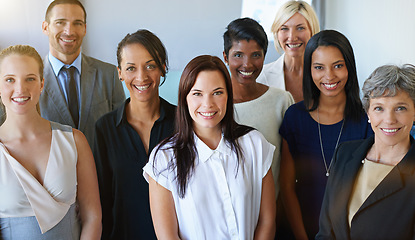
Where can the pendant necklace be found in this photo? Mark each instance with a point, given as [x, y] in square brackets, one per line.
[321, 144]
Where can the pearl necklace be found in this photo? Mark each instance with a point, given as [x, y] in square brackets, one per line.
[321, 145]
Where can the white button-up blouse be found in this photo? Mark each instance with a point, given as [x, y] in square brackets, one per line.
[222, 199]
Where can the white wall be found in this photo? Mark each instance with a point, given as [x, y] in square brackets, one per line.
[380, 31]
[187, 28]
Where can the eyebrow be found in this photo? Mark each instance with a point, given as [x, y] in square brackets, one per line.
[151, 60]
[284, 25]
[336, 62]
[64, 19]
[197, 90]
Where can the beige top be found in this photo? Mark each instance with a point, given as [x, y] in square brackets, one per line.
[368, 178]
[22, 195]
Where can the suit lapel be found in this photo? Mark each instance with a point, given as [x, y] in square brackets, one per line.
[393, 181]
[347, 178]
[88, 79]
[54, 98]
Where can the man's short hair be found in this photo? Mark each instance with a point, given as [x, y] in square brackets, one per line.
[57, 2]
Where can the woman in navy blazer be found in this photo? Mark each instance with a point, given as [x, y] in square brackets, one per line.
[370, 193]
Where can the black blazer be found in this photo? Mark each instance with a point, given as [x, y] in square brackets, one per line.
[388, 212]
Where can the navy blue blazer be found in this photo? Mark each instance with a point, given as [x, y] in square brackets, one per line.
[388, 212]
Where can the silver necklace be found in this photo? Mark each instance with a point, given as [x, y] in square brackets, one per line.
[321, 144]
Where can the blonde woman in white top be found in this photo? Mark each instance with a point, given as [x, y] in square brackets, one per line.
[45, 168]
[294, 24]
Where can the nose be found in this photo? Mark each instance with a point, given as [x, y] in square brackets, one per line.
[292, 35]
[390, 117]
[20, 86]
[247, 61]
[141, 74]
[67, 28]
[329, 74]
[207, 101]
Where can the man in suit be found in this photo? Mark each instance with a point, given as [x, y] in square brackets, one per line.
[78, 89]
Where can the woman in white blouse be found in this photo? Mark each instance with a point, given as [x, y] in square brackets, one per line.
[294, 24]
[46, 169]
[212, 179]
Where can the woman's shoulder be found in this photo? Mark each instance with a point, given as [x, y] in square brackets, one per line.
[111, 118]
[168, 107]
[297, 109]
[253, 135]
[60, 127]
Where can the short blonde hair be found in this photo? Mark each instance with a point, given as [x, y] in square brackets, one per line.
[287, 10]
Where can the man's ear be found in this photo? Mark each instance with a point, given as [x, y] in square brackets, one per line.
[45, 27]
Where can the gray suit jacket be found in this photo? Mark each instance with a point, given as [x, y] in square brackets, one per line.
[101, 92]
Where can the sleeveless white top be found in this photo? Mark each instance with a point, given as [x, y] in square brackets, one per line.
[22, 195]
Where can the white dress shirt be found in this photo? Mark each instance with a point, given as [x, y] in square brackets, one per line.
[222, 200]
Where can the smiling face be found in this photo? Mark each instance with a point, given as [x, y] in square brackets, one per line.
[140, 73]
[20, 83]
[245, 60]
[207, 102]
[391, 118]
[66, 29]
[329, 71]
[293, 35]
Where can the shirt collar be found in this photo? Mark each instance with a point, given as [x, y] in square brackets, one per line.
[57, 64]
[122, 115]
[204, 152]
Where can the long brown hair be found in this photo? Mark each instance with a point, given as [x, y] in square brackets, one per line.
[183, 142]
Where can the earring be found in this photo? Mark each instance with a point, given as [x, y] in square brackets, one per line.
[120, 79]
[368, 120]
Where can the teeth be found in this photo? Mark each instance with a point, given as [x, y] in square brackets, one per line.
[21, 99]
[246, 73]
[142, 88]
[294, 45]
[330, 85]
[390, 130]
[68, 41]
[207, 114]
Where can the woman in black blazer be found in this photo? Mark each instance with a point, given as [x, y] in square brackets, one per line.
[370, 192]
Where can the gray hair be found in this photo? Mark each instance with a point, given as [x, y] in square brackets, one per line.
[387, 81]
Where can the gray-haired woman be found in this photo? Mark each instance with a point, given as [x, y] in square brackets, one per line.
[372, 184]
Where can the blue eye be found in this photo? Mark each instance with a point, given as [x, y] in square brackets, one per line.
[237, 55]
[378, 109]
[9, 80]
[300, 28]
[401, 108]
